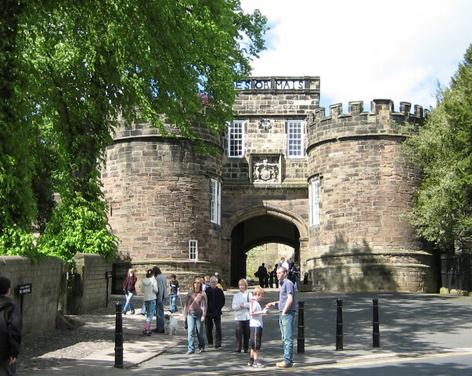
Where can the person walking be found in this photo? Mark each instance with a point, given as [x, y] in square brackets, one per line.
[161, 298]
[240, 307]
[129, 289]
[255, 327]
[216, 301]
[194, 313]
[10, 329]
[150, 290]
[287, 304]
[174, 293]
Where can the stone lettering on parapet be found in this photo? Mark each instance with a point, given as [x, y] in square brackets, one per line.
[270, 84]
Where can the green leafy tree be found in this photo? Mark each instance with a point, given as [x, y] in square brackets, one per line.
[83, 64]
[443, 151]
[17, 203]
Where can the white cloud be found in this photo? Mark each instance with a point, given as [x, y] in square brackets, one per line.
[366, 49]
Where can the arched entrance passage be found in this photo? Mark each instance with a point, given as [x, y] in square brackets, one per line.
[261, 226]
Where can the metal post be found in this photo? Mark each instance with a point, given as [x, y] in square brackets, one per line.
[301, 328]
[21, 303]
[107, 277]
[375, 324]
[119, 337]
[339, 324]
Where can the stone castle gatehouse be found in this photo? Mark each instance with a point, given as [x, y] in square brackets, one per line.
[334, 187]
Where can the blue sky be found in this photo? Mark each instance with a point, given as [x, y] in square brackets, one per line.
[366, 49]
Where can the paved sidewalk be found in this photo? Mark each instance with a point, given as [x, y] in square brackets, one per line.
[411, 326]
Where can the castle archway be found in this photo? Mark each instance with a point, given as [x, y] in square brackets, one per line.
[261, 226]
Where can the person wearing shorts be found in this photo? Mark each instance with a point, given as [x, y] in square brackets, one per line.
[255, 327]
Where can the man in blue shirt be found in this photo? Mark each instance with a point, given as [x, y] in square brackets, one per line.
[287, 307]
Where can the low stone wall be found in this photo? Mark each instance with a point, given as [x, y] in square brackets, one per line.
[406, 271]
[185, 270]
[95, 290]
[48, 283]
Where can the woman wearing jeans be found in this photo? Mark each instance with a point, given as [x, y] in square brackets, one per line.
[129, 289]
[194, 311]
[149, 288]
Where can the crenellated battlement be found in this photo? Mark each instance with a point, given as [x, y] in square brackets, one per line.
[377, 107]
[381, 120]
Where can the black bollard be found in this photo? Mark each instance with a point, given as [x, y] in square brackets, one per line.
[375, 324]
[119, 337]
[339, 324]
[301, 328]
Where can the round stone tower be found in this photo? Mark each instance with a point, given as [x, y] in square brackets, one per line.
[362, 189]
[159, 187]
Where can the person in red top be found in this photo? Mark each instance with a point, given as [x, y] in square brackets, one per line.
[129, 289]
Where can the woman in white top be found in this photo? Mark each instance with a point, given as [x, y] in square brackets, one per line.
[149, 289]
[240, 305]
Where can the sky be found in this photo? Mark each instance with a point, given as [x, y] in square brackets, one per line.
[366, 49]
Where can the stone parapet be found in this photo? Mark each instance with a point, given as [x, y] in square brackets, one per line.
[143, 131]
[381, 122]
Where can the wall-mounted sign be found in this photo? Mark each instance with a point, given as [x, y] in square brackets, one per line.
[24, 289]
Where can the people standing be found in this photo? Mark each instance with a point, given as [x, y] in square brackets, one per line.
[216, 301]
[261, 274]
[194, 312]
[161, 298]
[174, 293]
[206, 282]
[274, 276]
[240, 307]
[296, 275]
[129, 289]
[255, 327]
[10, 329]
[150, 290]
[284, 263]
[287, 304]
[271, 278]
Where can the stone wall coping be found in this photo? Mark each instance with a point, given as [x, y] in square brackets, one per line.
[373, 264]
[159, 262]
[22, 259]
[173, 139]
[361, 136]
[376, 253]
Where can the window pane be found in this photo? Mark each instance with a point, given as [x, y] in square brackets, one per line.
[236, 139]
[295, 132]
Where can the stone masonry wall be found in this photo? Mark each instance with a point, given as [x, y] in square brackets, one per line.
[48, 283]
[275, 107]
[92, 269]
[159, 191]
[367, 188]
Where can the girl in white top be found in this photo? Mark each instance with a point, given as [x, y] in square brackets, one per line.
[240, 307]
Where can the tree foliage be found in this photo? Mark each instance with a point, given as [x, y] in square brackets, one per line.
[70, 68]
[443, 151]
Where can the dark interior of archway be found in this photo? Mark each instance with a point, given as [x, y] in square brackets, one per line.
[256, 231]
